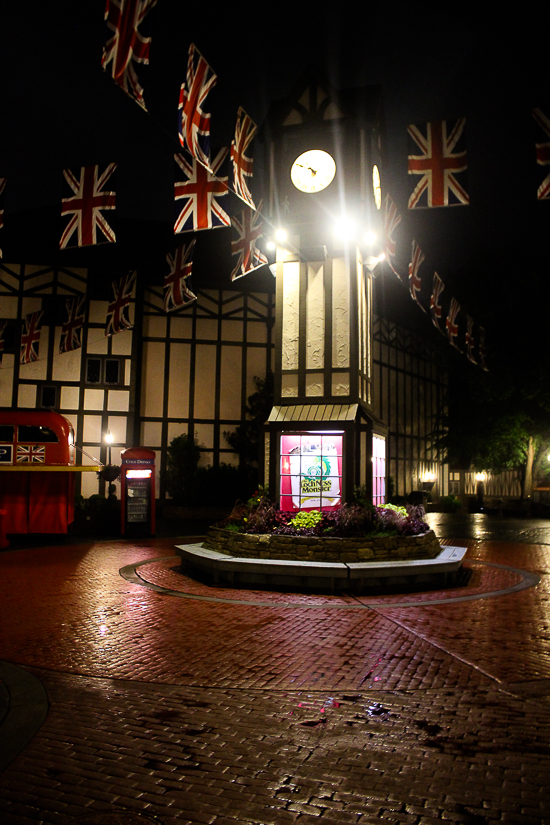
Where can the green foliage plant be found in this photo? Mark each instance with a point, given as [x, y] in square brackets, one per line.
[450, 504]
[395, 507]
[306, 519]
[259, 515]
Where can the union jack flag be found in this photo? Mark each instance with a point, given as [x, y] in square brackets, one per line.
[30, 337]
[245, 130]
[30, 455]
[469, 339]
[415, 283]
[200, 193]
[2, 193]
[126, 47]
[543, 151]
[438, 164]
[435, 306]
[482, 351]
[118, 312]
[87, 224]
[450, 322]
[193, 123]
[177, 292]
[3, 325]
[71, 331]
[248, 228]
[392, 219]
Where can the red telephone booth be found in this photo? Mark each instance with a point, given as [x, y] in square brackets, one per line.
[137, 476]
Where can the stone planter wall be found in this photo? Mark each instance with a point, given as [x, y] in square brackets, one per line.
[308, 548]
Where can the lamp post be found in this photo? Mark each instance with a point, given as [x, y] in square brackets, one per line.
[109, 438]
[480, 489]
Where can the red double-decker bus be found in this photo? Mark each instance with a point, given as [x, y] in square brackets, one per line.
[37, 478]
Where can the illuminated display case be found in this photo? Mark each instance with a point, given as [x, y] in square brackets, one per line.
[311, 471]
[315, 455]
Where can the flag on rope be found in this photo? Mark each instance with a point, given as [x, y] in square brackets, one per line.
[451, 324]
[482, 351]
[177, 284]
[85, 208]
[392, 219]
[2, 197]
[3, 327]
[126, 47]
[248, 228]
[198, 194]
[71, 331]
[543, 150]
[415, 282]
[435, 307]
[118, 312]
[245, 130]
[469, 339]
[193, 122]
[30, 337]
[439, 170]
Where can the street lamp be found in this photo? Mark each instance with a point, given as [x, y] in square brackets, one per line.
[109, 438]
[428, 481]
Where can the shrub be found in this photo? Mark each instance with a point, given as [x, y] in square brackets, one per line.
[450, 504]
[221, 486]
[259, 515]
[182, 461]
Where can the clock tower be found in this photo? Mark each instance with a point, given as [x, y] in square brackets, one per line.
[325, 160]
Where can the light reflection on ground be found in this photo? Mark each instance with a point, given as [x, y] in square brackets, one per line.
[484, 526]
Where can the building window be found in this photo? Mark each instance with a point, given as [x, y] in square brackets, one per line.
[104, 370]
[47, 397]
[454, 484]
[311, 471]
[378, 470]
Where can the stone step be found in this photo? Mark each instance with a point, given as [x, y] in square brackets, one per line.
[338, 575]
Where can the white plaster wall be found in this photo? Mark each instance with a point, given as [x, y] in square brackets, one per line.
[153, 376]
[340, 313]
[230, 382]
[178, 387]
[6, 380]
[205, 378]
[315, 319]
[291, 315]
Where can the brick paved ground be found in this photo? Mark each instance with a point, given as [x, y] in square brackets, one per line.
[224, 707]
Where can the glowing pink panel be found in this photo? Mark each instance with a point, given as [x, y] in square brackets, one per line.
[311, 471]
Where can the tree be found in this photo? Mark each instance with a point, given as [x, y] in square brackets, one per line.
[245, 440]
[501, 419]
[182, 461]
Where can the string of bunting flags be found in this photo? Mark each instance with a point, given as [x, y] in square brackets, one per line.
[450, 327]
[437, 167]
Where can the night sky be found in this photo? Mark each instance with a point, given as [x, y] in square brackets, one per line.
[59, 109]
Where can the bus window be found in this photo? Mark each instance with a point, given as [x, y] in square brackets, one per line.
[31, 433]
[6, 432]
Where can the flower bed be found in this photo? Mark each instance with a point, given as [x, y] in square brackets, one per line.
[318, 548]
[350, 533]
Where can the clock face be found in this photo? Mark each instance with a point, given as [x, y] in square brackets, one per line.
[313, 171]
[376, 188]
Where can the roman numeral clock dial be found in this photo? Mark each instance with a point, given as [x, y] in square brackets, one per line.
[313, 171]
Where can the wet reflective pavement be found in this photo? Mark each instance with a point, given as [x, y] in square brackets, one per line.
[169, 701]
[488, 526]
